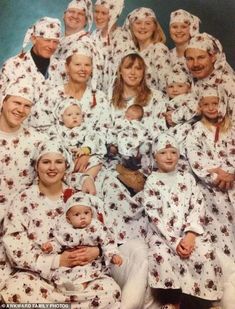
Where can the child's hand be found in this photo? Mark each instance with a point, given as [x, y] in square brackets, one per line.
[47, 247]
[117, 260]
[186, 245]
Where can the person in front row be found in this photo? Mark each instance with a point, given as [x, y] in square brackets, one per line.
[182, 263]
[80, 226]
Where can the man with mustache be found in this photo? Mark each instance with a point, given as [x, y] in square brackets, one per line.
[207, 64]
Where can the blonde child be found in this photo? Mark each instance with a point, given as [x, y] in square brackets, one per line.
[182, 262]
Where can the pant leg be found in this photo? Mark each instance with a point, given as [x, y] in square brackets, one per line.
[132, 275]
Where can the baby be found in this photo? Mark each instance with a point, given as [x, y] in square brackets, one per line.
[77, 137]
[128, 134]
[182, 105]
[81, 227]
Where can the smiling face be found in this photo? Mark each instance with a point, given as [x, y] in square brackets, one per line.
[179, 33]
[175, 89]
[131, 72]
[15, 110]
[51, 169]
[143, 29]
[72, 116]
[101, 17]
[209, 108]
[75, 20]
[166, 159]
[199, 62]
[79, 216]
[44, 48]
[79, 68]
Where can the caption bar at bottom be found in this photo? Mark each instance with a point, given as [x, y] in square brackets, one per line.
[36, 306]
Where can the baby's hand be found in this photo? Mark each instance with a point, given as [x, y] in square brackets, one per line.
[117, 260]
[47, 247]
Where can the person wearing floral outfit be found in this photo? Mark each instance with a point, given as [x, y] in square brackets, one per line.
[212, 138]
[77, 16]
[123, 207]
[181, 257]
[76, 136]
[18, 145]
[96, 111]
[146, 37]
[183, 26]
[210, 151]
[207, 65]
[107, 36]
[80, 226]
[35, 64]
[32, 215]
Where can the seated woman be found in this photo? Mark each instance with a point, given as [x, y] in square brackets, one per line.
[37, 211]
[148, 39]
[122, 206]
[80, 66]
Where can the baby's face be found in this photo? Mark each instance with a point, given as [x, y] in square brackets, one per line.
[79, 216]
[72, 116]
[131, 115]
[175, 89]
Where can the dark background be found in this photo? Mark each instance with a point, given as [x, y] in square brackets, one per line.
[217, 18]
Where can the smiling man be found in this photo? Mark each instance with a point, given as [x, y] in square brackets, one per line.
[17, 148]
[207, 64]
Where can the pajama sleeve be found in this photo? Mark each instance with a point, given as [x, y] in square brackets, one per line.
[21, 246]
[195, 214]
[153, 207]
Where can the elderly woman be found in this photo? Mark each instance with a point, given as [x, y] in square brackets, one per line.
[36, 211]
[147, 38]
[123, 204]
[183, 26]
